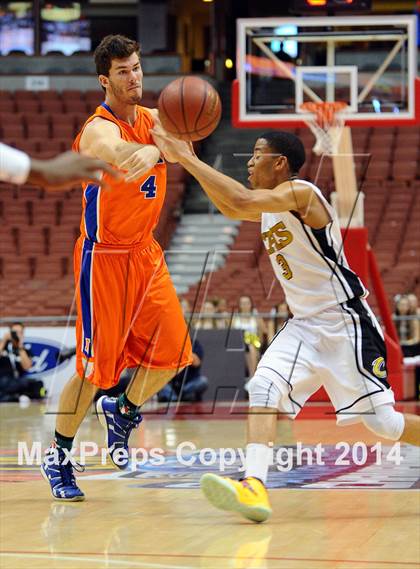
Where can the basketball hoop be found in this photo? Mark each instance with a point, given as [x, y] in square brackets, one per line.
[326, 124]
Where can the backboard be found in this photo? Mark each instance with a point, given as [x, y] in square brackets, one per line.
[369, 62]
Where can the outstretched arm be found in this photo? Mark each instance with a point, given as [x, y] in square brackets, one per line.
[102, 139]
[61, 172]
[229, 195]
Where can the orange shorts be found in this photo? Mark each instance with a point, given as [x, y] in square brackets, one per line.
[128, 313]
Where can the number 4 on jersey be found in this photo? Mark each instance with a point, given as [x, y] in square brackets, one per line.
[149, 187]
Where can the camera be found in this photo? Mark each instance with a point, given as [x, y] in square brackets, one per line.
[14, 336]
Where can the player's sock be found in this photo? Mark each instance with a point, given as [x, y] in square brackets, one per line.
[126, 407]
[62, 441]
[258, 459]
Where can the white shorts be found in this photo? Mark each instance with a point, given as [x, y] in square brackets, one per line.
[341, 349]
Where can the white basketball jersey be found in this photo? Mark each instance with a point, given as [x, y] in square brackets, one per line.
[309, 263]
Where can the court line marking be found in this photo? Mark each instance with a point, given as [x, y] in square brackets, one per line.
[198, 556]
[105, 559]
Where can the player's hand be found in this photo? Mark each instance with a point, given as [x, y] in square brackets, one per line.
[172, 148]
[140, 162]
[68, 169]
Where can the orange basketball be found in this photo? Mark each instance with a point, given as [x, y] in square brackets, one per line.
[189, 108]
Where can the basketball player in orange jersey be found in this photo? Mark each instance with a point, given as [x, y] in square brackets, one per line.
[332, 340]
[128, 314]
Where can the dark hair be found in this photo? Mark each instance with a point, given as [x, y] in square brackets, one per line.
[112, 47]
[21, 324]
[288, 145]
[250, 299]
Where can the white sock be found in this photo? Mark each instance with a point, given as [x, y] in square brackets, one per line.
[258, 459]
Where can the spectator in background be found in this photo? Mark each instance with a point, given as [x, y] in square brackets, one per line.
[206, 320]
[408, 329]
[189, 384]
[223, 320]
[253, 329]
[414, 303]
[280, 314]
[15, 361]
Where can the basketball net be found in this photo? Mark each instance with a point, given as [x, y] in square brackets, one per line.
[326, 124]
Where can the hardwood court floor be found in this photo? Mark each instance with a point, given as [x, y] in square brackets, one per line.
[325, 516]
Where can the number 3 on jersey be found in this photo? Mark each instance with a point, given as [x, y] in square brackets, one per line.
[149, 187]
[287, 271]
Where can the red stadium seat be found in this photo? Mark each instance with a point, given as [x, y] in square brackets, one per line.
[52, 106]
[72, 95]
[96, 96]
[23, 94]
[27, 105]
[75, 107]
[404, 170]
[406, 154]
[35, 118]
[50, 94]
[10, 118]
[5, 95]
[7, 106]
[38, 130]
[60, 118]
[15, 131]
[63, 130]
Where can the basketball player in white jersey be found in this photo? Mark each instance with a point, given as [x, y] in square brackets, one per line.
[333, 339]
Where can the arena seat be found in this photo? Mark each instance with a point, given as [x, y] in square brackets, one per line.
[49, 94]
[27, 105]
[52, 106]
[24, 95]
[37, 130]
[74, 107]
[15, 131]
[9, 118]
[7, 105]
[72, 95]
[63, 130]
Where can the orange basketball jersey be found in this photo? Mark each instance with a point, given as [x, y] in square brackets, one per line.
[128, 212]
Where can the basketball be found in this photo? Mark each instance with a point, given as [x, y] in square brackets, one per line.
[189, 108]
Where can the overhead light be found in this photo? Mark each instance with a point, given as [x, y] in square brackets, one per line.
[228, 63]
[316, 2]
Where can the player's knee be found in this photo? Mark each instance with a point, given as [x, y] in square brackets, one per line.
[263, 392]
[385, 422]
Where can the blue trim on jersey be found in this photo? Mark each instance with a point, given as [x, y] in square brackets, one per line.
[91, 211]
[108, 108]
[85, 296]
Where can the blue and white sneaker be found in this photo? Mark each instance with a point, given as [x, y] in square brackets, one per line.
[57, 470]
[118, 429]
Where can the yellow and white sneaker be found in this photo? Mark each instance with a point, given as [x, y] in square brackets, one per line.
[248, 496]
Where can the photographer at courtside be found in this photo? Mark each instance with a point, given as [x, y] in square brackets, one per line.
[15, 361]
